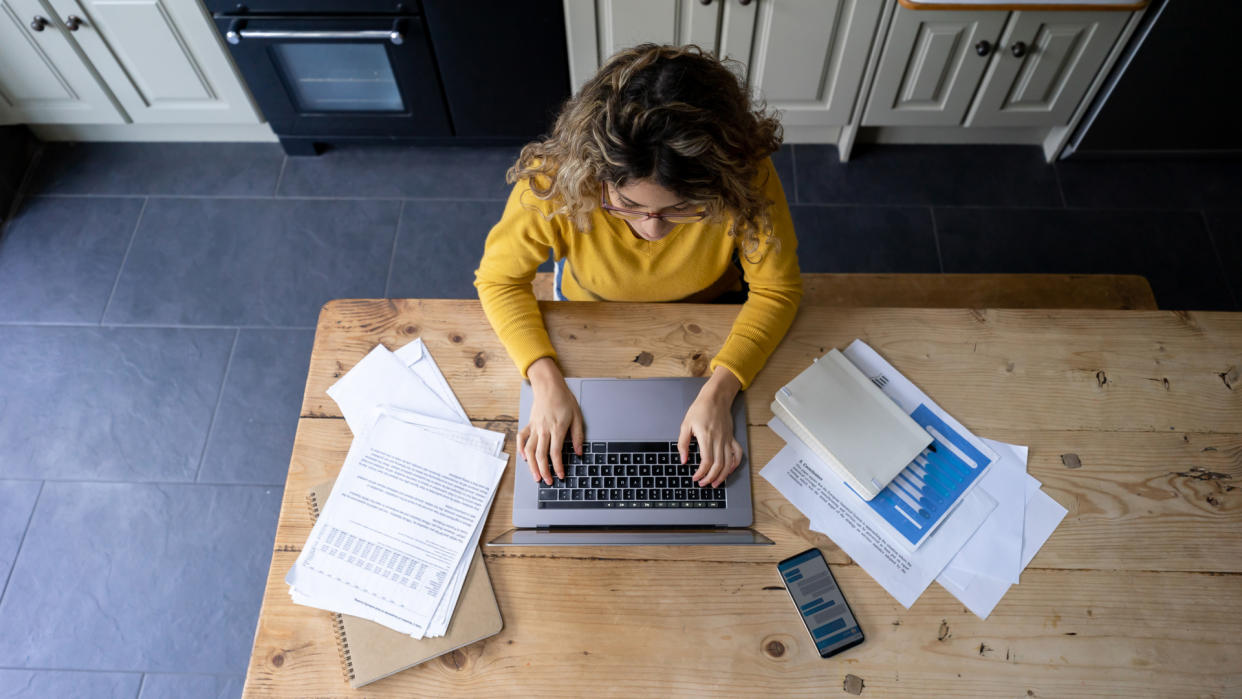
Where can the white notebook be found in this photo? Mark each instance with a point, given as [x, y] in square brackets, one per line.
[848, 421]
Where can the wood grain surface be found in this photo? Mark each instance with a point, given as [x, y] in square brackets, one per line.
[1118, 291]
[1137, 593]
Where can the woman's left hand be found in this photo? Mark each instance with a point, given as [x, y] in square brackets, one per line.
[710, 421]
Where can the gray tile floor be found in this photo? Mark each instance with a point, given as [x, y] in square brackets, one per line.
[157, 307]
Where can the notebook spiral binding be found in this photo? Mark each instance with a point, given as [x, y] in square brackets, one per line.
[338, 624]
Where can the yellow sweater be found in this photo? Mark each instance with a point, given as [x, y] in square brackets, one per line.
[610, 263]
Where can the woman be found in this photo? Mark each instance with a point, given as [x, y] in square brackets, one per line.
[655, 185]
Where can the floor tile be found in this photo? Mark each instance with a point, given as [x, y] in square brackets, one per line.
[160, 578]
[865, 239]
[1170, 248]
[1226, 228]
[1154, 183]
[945, 175]
[412, 172]
[238, 169]
[17, 500]
[45, 684]
[107, 403]
[783, 160]
[191, 687]
[252, 433]
[252, 261]
[59, 257]
[439, 247]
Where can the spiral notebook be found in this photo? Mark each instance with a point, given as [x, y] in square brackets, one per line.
[371, 652]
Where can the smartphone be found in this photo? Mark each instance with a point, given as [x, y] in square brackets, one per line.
[819, 600]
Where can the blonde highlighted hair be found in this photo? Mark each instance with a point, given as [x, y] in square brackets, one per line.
[673, 115]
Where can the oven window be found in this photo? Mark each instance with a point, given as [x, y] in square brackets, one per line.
[335, 77]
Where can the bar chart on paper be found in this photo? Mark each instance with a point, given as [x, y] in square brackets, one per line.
[924, 492]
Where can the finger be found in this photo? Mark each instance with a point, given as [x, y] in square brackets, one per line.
[683, 442]
[578, 432]
[718, 464]
[556, 442]
[735, 460]
[708, 457]
[528, 453]
[541, 454]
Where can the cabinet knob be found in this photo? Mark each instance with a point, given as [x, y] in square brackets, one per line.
[983, 48]
[1018, 49]
[72, 22]
[38, 23]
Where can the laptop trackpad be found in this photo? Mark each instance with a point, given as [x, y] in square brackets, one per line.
[632, 409]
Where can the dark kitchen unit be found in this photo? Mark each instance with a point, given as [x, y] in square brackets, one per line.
[434, 72]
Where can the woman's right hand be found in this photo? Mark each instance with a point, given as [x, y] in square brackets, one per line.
[553, 414]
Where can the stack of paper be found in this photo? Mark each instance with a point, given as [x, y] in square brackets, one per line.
[394, 541]
[964, 513]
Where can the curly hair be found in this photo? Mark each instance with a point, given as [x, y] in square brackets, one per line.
[673, 114]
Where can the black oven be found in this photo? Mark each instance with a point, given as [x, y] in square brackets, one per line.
[426, 71]
[319, 77]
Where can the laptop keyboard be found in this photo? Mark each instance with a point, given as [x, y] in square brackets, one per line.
[628, 475]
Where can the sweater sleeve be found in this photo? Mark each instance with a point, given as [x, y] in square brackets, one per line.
[775, 290]
[515, 248]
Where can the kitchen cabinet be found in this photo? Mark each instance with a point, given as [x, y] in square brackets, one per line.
[597, 30]
[43, 78]
[117, 61]
[808, 57]
[803, 57]
[1043, 66]
[161, 58]
[931, 65]
[989, 68]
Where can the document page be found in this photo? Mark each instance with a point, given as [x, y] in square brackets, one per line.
[401, 518]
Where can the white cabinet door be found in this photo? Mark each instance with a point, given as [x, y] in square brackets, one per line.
[43, 79]
[1043, 67]
[162, 59]
[809, 57]
[597, 30]
[931, 66]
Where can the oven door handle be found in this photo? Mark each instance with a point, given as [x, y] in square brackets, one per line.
[237, 32]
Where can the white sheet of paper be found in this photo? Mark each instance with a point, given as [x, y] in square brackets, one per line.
[381, 378]
[398, 522]
[838, 512]
[996, 549]
[982, 593]
[416, 357]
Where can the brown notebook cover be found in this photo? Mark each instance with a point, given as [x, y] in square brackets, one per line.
[370, 652]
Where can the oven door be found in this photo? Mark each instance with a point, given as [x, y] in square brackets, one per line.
[340, 76]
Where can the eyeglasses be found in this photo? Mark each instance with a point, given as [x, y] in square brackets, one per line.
[631, 215]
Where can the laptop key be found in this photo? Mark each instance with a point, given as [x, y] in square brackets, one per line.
[648, 482]
[599, 458]
[662, 458]
[628, 494]
[631, 470]
[653, 494]
[680, 494]
[667, 494]
[614, 494]
[649, 458]
[584, 505]
[609, 482]
[577, 494]
[597, 482]
[563, 494]
[657, 470]
[661, 482]
[640, 494]
[592, 470]
[587, 494]
[547, 494]
[625, 458]
[720, 493]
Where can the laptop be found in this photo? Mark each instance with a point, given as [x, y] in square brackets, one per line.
[628, 487]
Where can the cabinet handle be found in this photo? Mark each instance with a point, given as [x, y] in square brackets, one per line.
[1018, 50]
[72, 22]
[38, 23]
[744, 3]
[705, 3]
[983, 48]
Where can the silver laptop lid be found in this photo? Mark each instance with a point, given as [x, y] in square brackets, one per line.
[635, 410]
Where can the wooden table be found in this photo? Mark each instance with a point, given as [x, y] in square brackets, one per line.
[1138, 592]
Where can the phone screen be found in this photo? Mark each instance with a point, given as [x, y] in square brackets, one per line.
[820, 602]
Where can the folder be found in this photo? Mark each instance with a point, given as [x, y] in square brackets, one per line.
[850, 424]
[371, 652]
